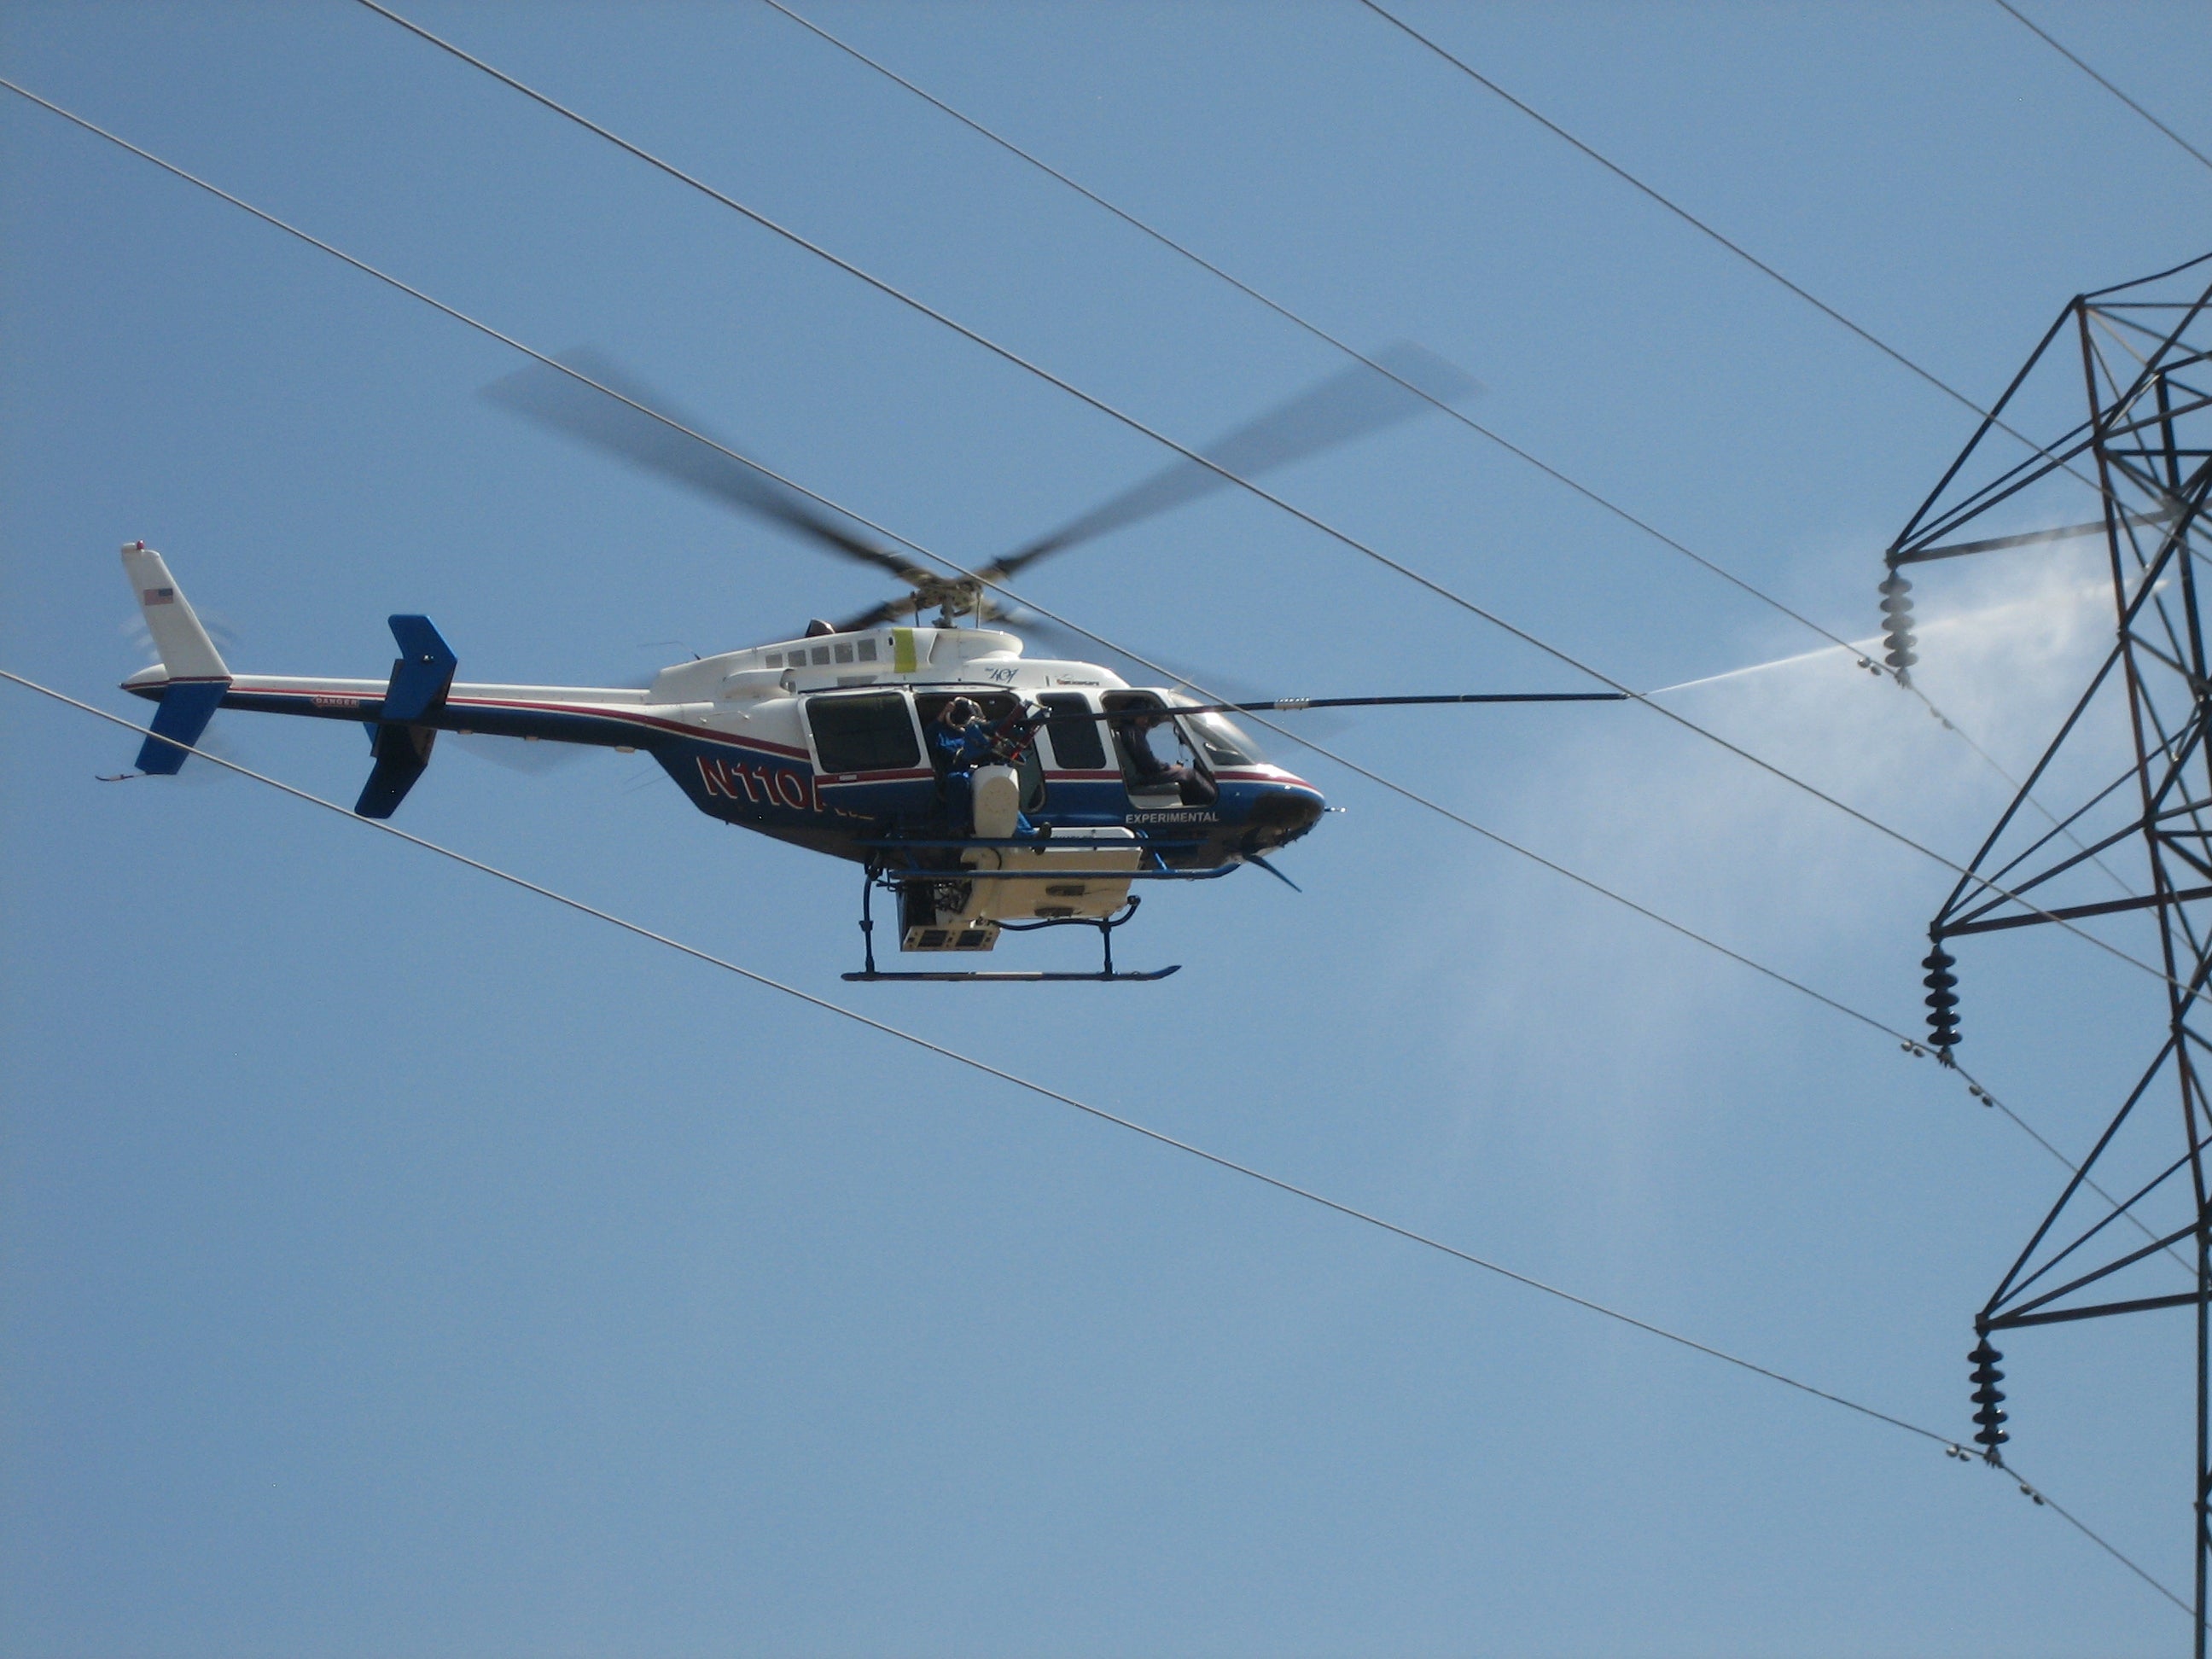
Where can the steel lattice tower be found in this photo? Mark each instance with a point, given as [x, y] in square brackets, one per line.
[2129, 770]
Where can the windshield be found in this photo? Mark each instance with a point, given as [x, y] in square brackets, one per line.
[1225, 743]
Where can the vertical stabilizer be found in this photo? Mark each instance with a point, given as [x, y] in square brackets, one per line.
[186, 651]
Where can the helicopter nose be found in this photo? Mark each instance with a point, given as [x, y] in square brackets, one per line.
[1281, 816]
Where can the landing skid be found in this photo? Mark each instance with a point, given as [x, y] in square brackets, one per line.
[1105, 924]
[1019, 976]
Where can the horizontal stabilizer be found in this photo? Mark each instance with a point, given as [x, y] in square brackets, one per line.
[402, 753]
[185, 709]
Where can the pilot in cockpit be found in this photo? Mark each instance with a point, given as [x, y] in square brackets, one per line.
[1148, 771]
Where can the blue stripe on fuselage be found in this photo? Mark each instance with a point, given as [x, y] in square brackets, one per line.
[775, 788]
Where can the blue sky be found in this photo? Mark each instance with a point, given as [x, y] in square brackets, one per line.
[393, 1262]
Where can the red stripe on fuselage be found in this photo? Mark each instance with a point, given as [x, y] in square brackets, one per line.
[589, 711]
[605, 711]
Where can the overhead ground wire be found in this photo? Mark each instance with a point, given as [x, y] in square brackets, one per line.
[1343, 538]
[1045, 1091]
[1334, 342]
[1750, 259]
[2040, 33]
[1908, 1044]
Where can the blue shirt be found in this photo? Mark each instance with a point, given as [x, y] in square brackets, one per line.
[964, 749]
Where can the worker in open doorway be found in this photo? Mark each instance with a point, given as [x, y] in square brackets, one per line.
[960, 741]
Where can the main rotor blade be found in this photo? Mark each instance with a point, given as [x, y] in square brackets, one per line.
[1350, 403]
[569, 407]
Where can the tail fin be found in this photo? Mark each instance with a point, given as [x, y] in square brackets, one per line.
[186, 651]
[197, 675]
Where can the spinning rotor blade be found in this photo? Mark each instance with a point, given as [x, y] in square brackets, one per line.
[554, 399]
[889, 611]
[1350, 403]
[1064, 643]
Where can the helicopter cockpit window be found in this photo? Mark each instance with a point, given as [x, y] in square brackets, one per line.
[874, 734]
[1154, 746]
[1223, 741]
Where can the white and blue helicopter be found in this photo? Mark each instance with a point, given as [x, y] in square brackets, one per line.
[1070, 786]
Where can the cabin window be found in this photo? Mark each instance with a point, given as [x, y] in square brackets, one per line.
[1077, 745]
[773, 659]
[1223, 741]
[821, 656]
[867, 650]
[864, 734]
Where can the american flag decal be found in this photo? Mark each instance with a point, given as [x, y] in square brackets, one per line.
[160, 596]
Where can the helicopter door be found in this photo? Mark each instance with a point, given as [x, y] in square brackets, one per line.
[869, 752]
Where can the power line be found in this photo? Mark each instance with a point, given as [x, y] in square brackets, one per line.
[1160, 1138]
[1908, 1044]
[1337, 343]
[1740, 252]
[1345, 538]
[885, 531]
[984, 1067]
[2029, 24]
[1333, 341]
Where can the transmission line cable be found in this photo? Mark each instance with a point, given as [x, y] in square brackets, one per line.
[1908, 1044]
[1045, 1091]
[1751, 259]
[1333, 341]
[1343, 538]
[1867, 658]
[2032, 28]
[1341, 345]
[794, 484]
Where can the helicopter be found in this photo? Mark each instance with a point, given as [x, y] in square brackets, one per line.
[985, 791]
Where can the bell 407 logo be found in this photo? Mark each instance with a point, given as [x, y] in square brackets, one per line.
[759, 785]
